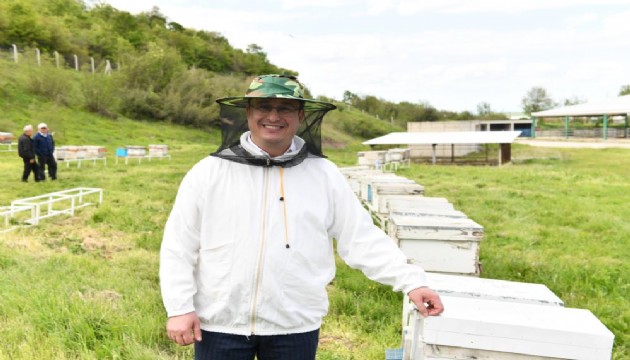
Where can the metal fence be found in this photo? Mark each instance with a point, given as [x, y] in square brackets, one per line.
[35, 57]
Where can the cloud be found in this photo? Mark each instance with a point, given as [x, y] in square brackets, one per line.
[410, 7]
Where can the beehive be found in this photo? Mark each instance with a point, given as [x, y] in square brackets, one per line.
[472, 328]
[424, 212]
[136, 151]
[371, 158]
[446, 245]
[367, 182]
[488, 289]
[426, 203]
[354, 178]
[95, 152]
[158, 150]
[6, 138]
[381, 189]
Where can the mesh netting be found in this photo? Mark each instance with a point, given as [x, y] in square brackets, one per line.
[234, 124]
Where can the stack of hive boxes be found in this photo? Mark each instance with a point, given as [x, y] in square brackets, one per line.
[158, 150]
[6, 138]
[84, 152]
[484, 318]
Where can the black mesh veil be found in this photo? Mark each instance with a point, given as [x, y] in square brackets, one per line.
[234, 124]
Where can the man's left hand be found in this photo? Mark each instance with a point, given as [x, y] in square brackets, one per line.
[427, 301]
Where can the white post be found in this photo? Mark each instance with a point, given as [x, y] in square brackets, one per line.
[57, 59]
[39, 57]
[92, 64]
[76, 62]
[15, 53]
[108, 67]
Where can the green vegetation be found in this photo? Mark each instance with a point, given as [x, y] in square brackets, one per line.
[86, 286]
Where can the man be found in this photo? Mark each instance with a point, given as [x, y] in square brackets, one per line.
[45, 149]
[247, 249]
[27, 153]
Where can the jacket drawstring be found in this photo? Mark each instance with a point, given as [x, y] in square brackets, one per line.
[284, 206]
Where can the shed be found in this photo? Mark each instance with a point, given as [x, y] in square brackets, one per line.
[503, 138]
[608, 107]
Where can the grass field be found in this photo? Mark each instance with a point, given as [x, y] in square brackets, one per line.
[86, 287]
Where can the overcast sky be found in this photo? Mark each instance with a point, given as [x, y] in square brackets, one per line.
[453, 54]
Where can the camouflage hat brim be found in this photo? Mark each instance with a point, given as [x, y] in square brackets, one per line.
[309, 105]
[276, 86]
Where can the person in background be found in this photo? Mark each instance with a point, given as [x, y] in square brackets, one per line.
[45, 149]
[248, 247]
[27, 152]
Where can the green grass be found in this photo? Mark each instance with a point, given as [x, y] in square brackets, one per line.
[86, 287]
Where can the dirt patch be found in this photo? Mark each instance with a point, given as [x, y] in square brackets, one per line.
[336, 341]
[103, 296]
[331, 144]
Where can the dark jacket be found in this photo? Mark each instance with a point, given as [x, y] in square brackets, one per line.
[44, 145]
[25, 147]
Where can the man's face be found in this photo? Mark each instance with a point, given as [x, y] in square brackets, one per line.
[273, 123]
[43, 130]
[28, 132]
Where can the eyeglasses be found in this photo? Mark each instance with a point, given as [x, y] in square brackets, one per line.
[282, 109]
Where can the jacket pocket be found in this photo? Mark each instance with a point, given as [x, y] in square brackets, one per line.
[214, 266]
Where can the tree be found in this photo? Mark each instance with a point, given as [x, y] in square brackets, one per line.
[483, 109]
[625, 90]
[349, 97]
[536, 99]
[574, 101]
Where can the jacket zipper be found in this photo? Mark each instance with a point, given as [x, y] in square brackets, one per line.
[261, 250]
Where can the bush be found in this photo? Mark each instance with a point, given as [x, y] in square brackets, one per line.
[51, 83]
[99, 95]
[189, 100]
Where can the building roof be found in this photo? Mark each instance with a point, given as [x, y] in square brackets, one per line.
[451, 137]
[614, 106]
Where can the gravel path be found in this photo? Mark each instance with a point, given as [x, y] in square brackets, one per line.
[572, 143]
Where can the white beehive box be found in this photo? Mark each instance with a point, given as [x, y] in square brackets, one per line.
[397, 155]
[371, 158]
[6, 138]
[432, 228]
[69, 152]
[368, 181]
[346, 170]
[418, 202]
[487, 329]
[444, 245]
[378, 190]
[60, 153]
[423, 212]
[493, 289]
[158, 150]
[94, 152]
[354, 179]
[136, 151]
[488, 289]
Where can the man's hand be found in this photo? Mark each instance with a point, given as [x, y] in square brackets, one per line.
[427, 301]
[184, 329]
[32, 161]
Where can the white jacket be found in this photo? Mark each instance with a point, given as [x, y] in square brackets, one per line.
[224, 252]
